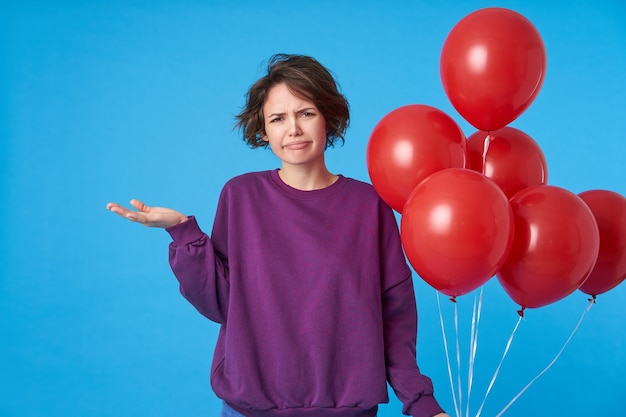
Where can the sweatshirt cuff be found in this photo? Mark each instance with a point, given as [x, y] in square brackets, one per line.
[186, 232]
[426, 406]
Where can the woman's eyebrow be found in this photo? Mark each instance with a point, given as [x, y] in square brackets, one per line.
[276, 114]
[282, 113]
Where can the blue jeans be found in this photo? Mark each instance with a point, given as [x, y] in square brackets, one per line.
[229, 412]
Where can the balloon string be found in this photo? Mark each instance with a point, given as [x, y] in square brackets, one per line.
[495, 374]
[486, 144]
[587, 308]
[470, 361]
[473, 347]
[445, 347]
[458, 354]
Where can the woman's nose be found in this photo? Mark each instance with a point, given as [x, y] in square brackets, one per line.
[294, 127]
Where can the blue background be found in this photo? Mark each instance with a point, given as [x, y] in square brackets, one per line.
[106, 101]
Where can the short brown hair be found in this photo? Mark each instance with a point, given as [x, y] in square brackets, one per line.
[306, 78]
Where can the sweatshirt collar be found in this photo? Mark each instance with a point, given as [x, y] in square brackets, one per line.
[307, 195]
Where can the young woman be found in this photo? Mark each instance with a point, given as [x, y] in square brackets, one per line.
[304, 269]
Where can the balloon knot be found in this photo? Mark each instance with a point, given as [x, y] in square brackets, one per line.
[592, 299]
[521, 311]
[453, 299]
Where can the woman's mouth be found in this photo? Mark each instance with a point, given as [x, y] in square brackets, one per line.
[296, 145]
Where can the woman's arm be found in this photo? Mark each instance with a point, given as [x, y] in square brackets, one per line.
[202, 274]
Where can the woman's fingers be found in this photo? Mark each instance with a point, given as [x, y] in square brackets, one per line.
[116, 208]
[140, 206]
[126, 213]
[148, 216]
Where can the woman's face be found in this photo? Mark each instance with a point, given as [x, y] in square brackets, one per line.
[294, 128]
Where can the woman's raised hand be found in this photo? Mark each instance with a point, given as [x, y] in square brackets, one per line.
[148, 216]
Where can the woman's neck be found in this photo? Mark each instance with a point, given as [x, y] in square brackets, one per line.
[306, 179]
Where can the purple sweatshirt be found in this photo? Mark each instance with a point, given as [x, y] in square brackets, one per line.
[314, 298]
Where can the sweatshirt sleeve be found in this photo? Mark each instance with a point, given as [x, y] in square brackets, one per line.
[412, 388]
[202, 274]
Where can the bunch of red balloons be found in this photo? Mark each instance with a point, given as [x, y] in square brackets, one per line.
[478, 207]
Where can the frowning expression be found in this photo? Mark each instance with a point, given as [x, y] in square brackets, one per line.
[294, 127]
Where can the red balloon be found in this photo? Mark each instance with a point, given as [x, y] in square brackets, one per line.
[509, 157]
[555, 246]
[456, 230]
[609, 210]
[492, 66]
[407, 145]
